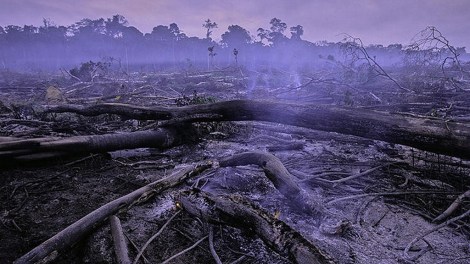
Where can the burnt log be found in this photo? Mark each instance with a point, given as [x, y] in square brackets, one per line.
[430, 134]
[47, 148]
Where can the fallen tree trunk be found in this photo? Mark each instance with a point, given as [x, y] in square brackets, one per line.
[34, 149]
[240, 213]
[435, 135]
[76, 231]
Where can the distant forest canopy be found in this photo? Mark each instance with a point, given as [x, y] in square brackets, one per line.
[51, 47]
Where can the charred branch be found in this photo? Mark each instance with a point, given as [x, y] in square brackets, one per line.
[119, 240]
[278, 175]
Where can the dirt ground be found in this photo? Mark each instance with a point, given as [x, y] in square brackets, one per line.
[386, 209]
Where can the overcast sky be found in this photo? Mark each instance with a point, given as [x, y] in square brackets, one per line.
[374, 21]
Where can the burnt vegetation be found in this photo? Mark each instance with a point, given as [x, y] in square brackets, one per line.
[118, 146]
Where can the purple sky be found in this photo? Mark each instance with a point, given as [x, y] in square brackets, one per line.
[374, 21]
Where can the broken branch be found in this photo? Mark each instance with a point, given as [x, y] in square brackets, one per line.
[454, 206]
[120, 245]
[277, 174]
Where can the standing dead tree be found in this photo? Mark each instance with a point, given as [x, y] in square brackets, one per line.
[209, 25]
[430, 47]
[354, 48]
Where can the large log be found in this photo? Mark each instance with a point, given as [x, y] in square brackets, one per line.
[430, 134]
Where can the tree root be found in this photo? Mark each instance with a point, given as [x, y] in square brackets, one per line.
[357, 175]
[272, 166]
[383, 194]
[211, 246]
[237, 212]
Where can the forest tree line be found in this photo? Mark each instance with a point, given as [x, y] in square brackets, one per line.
[51, 47]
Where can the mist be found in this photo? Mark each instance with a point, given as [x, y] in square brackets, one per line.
[51, 48]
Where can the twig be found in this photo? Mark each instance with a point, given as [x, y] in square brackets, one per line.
[452, 207]
[316, 176]
[356, 46]
[184, 251]
[238, 260]
[154, 236]
[432, 230]
[119, 240]
[15, 225]
[384, 194]
[71, 75]
[136, 248]
[357, 175]
[22, 203]
[188, 238]
[211, 245]
[81, 160]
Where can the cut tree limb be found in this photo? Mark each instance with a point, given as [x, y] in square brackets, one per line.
[119, 240]
[76, 231]
[237, 212]
[439, 136]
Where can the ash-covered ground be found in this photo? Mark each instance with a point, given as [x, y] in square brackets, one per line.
[370, 218]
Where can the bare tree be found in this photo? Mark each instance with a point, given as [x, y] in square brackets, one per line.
[355, 49]
[430, 47]
[209, 25]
